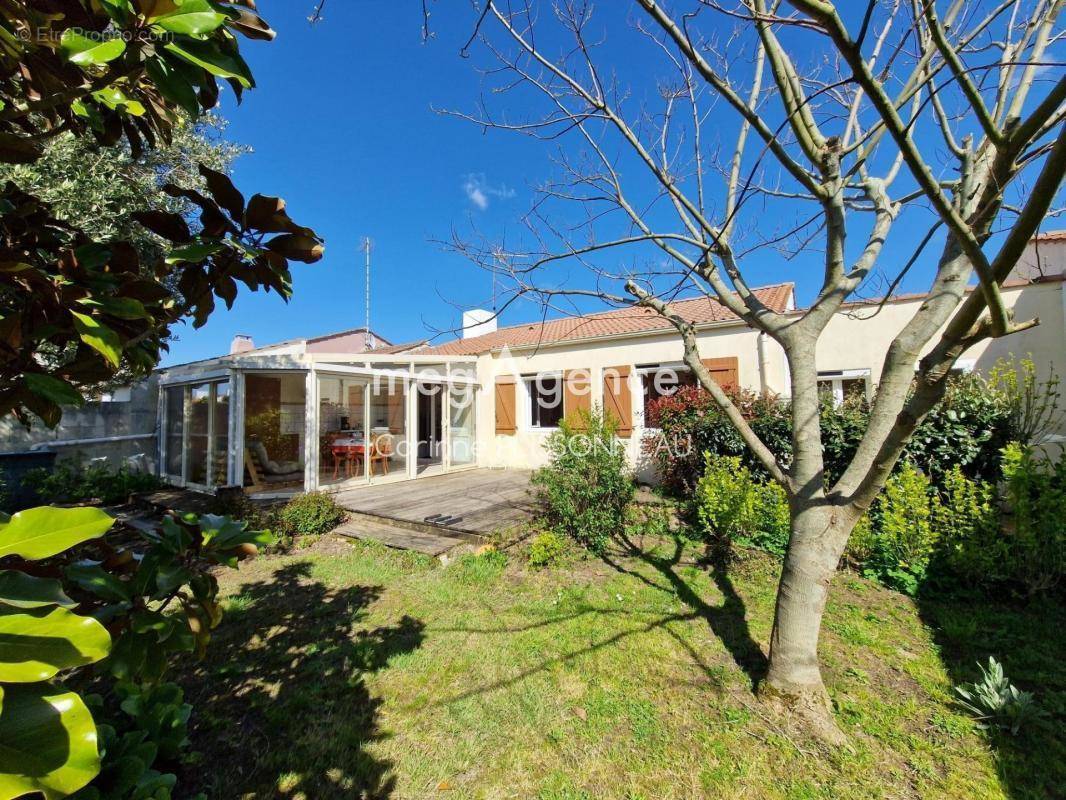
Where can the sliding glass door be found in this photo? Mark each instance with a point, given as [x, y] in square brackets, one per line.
[196, 434]
[462, 433]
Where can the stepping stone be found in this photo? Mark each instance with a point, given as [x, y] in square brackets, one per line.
[397, 537]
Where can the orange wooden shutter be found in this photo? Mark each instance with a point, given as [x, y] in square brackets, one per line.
[617, 399]
[577, 395]
[725, 371]
[505, 406]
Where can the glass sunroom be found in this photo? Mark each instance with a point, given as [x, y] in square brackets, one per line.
[283, 423]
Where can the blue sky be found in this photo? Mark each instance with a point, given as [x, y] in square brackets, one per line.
[344, 127]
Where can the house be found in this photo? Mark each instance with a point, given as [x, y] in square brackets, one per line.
[352, 408]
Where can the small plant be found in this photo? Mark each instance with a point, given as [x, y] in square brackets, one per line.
[1036, 495]
[1032, 404]
[70, 482]
[734, 507]
[309, 516]
[996, 703]
[584, 490]
[546, 550]
[906, 536]
[726, 498]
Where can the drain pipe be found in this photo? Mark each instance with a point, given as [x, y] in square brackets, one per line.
[764, 381]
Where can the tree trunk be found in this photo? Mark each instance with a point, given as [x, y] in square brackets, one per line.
[794, 680]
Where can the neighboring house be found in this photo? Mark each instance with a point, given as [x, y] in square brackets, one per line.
[351, 408]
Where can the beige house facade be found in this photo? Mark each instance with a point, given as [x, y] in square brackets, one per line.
[352, 409]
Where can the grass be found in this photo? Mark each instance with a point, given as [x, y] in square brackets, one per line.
[356, 671]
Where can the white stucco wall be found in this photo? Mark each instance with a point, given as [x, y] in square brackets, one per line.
[854, 340]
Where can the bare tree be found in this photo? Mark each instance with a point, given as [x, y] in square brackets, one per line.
[752, 130]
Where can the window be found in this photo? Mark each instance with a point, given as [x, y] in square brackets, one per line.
[545, 400]
[844, 384]
[661, 380]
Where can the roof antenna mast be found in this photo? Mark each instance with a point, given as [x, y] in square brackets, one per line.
[366, 247]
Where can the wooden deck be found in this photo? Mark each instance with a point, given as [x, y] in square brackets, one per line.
[486, 500]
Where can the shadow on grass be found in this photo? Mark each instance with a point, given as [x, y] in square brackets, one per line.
[728, 621]
[280, 703]
[1030, 641]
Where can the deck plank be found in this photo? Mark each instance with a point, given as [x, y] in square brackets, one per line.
[487, 500]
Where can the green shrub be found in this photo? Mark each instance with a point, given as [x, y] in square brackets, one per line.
[69, 482]
[843, 427]
[906, 535]
[308, 516]
[734, 507]
[1032, 405]
[972, 546]
[690, 424]
[860, 545]
[1036, 496]
[726, 497]
[967, 429]
[546, 550]
[584, 490]
[773, 521]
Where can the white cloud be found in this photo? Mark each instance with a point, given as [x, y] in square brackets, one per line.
[479, 192]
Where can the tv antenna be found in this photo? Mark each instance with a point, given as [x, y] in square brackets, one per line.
[366, 247]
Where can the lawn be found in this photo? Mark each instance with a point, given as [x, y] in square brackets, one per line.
[356, 671]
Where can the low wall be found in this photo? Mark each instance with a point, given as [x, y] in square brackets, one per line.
[128, 412]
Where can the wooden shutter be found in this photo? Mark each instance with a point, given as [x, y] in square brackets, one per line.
[505, 406]
[577, 395]
[617, 399]
[725, 371]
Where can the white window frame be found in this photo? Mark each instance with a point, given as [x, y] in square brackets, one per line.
[637, 391]
[964, 366]
[527, 412]
[837, 378]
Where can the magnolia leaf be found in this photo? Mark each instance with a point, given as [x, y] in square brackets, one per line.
[42, 532]
[207, 56]
[15, 149]
[39, 642]
[223, 191]
[49, 743]
[115, 98]
[85, 51]
[192, 18]
[173, 86]
[124, 308]
[171, 227]
[25, 591]
[267, 214]
[297, 247]
[94, 578]
[99, 337]
[52, 388]
[250, 24]
[197, 251]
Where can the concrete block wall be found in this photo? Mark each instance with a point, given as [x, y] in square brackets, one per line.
[96, 420]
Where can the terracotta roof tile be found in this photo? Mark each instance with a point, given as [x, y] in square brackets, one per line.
[1051, 236]
[619, 322]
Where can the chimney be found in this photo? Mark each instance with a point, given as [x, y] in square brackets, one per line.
[241, 343]
[477, 322]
